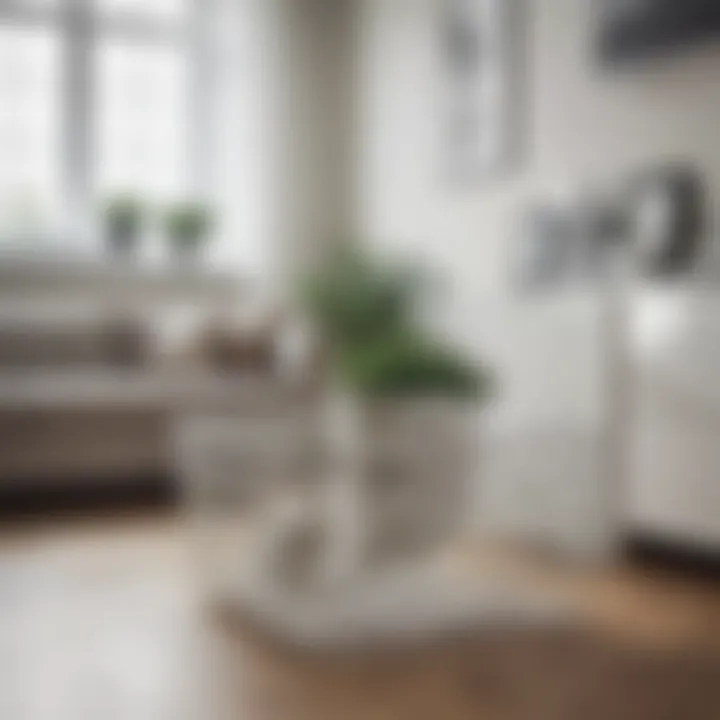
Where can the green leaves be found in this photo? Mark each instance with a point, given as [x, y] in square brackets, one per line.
[412, 366]
[188, 224]
[124, 215]
[366, 311]
[355, 301]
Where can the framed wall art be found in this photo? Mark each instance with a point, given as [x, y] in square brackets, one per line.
[482, 58]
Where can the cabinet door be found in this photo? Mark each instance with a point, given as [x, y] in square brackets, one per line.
[675, 465]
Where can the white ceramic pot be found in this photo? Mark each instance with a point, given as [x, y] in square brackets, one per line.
[406, 487]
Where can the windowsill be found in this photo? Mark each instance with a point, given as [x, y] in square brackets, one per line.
[66, 257]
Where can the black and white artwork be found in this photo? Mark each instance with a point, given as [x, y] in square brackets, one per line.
[480, 48]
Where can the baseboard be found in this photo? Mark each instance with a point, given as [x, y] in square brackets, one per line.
[83, 496]
[671, 554]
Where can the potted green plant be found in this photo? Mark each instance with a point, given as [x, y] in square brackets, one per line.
[124, 219]
[188, 226]
[366, 311]
[411, 399]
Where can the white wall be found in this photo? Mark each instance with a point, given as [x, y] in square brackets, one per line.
[674, 453]
[584, 125]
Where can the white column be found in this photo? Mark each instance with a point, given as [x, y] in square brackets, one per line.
[299, 135]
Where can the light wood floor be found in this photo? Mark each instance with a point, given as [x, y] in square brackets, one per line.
[100, 620]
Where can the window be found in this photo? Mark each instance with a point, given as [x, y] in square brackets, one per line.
[140, 119]
[93, 100]
[29, 107]
[167, 9]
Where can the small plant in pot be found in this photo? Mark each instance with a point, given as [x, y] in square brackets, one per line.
[188, 226]
[413, 400]
[124, 219]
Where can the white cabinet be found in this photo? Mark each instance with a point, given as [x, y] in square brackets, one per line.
[675, 462]
[542, 465]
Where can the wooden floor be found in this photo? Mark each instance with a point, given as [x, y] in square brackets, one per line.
[100, 620]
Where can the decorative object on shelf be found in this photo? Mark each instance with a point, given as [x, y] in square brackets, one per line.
[235, 350]
[668, 213]
[247, 346]
[652, 222]
[188, 226]
[480, 58]
[124, 218]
